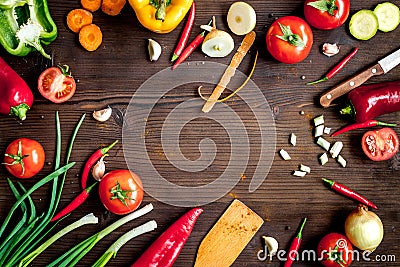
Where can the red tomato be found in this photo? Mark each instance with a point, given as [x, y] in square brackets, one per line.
[292, 46]
[335, 250]
[24, 158]
[380, 144]
[56, 84]
[326, 14]
[121, 191]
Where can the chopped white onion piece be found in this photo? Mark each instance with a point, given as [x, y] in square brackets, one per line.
[327, 130]
[319, 130]
[319, 120]
[336, 148]
[305, 168]
[284, 154]
[323, 159]
[323, 143]
[293, 139]
[299, 173]
[341, 161]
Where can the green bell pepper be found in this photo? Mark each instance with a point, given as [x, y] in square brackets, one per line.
[25, 25]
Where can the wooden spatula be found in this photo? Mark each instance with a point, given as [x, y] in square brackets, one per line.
[228, 237]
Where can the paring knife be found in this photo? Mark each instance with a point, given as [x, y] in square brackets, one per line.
[383, 66]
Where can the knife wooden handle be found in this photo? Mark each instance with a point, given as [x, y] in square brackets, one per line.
[348, 85]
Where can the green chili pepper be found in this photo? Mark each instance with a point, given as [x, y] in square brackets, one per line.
[25, 25]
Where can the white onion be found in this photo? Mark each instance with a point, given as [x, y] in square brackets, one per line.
[364, 228]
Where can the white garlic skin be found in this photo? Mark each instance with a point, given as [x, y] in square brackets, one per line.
[98, 170]
[102, 115]
[330, 49]
[154, 50]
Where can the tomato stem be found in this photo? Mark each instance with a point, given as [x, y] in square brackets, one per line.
[120, 194]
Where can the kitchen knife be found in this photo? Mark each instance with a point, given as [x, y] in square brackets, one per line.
[383, 66]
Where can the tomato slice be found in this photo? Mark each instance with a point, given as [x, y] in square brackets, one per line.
[56, 84]
[380, 144]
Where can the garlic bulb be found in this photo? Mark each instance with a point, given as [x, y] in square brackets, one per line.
[154, 50]
[364, 228]
[330, 50]
[99, 169]
[102, 115]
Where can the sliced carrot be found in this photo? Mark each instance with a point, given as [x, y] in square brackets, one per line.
[77, 18]
[90, 37]
[91, 5]
[112, 7]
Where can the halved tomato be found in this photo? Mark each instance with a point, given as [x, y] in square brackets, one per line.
[56, 84]
[380, 144]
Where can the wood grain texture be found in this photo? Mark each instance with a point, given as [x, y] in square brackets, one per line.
[113, 73]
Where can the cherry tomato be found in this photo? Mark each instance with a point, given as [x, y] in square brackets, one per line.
[326, 14]
[335, 250]
[289, 39]
[121, 191]
[380, 144]
[56, 84]
[24, 158]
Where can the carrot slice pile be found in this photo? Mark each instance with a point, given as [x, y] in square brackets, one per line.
[90, 37]
[77, 18]
[112, 7]
[91, 5]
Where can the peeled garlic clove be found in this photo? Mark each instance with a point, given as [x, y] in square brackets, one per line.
[272, 245]
[330, 49]
[154, 50]
[102, 115]
[99, 169]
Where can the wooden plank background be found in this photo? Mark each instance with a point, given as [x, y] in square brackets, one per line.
[111, 75]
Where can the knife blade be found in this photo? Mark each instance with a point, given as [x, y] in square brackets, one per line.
[383, 66]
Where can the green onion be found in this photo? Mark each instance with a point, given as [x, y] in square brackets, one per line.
[341, 161]
[336, 148]
[323, 143]
[319, 130]
[113, 249]
[323, 159]
[88, 219]
[299, 173]
[76, 253]
[284, 154]
[319, 120]
[305, 168]
[293, 139]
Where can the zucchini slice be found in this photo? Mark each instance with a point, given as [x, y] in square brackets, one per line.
[363, 24]
[388, 15]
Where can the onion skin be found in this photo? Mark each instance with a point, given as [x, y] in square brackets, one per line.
[364, 228]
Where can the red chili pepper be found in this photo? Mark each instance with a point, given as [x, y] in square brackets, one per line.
[370, 101]
[294, 246]
[349, 193]
[185, 34]
[91, 161]
[16, 96]
[337, 68]
[165, 250]
[74, 204]
[360, 125]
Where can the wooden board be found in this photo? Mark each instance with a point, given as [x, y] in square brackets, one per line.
[229, 236]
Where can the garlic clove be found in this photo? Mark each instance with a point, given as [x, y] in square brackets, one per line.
[99, 169]
[272, 245]
[102, 115]
[330, 49]
[154, 50]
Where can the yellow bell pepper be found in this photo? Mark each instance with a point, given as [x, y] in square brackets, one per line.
[160, 16]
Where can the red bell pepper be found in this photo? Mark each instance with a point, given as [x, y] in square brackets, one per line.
[165, 250]
[16, 96]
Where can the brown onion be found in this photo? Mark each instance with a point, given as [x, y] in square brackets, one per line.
[364, 228]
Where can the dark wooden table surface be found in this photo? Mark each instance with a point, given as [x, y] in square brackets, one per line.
[112, 74]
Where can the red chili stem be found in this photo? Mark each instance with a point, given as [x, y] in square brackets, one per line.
[367, 124]
[337, 68]
[185, 34]
[294, 246]
[74, 204]
[165, 250]
[345, 191]
[91, 161]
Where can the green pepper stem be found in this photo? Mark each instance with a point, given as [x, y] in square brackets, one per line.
[318, 81]
[160, 13]
[20, 111]
[300, 233]
[106, 149]
[329, 182]
[381, 123]
[348, 110]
